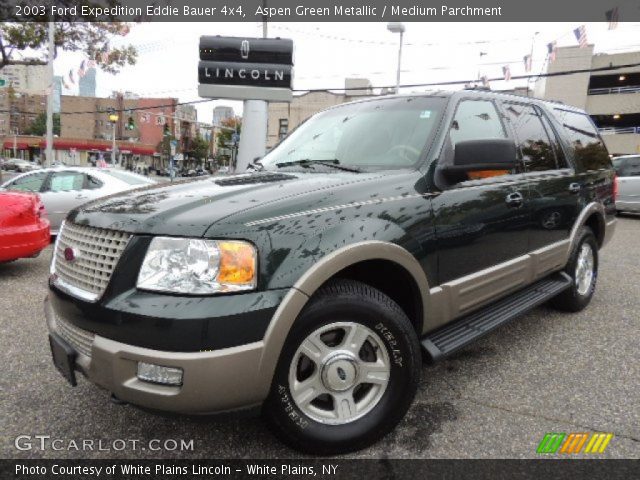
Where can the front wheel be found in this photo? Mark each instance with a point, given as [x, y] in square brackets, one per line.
[347, 373]
[583, 269]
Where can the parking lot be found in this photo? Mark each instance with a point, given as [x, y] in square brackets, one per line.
[546, 372]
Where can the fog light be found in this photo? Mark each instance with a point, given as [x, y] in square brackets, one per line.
[149, 372]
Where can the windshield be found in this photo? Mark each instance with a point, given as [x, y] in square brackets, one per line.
[382, 134]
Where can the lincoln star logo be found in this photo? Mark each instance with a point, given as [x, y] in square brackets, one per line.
[244, 49]
[70, 254]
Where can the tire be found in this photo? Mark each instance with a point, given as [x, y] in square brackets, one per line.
[578, 296]
[321, 425]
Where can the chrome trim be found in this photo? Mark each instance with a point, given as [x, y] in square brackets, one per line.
[75, 291]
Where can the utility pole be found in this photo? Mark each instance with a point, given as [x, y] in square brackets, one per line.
[49, 151]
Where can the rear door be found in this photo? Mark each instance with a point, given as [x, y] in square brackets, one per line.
[64, 191]
[553, 191]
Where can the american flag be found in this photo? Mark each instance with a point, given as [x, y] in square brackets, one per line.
[612, 17]
[83, 69]
[552, 49]
[91, 64]
[527, 63]
[581, 35]
[71, 79]
[506, 72]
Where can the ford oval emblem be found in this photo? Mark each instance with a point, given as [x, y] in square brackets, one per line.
[70, 254]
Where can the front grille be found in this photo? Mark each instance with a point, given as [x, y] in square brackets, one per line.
[81, 340]
[96, 252]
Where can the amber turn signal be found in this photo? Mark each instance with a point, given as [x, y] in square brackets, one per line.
[238, 262]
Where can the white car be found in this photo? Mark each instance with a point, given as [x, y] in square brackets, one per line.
[64, 188]
[628, 172]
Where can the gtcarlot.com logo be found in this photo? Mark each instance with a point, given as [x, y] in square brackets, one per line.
[47, 442]
[574, 443]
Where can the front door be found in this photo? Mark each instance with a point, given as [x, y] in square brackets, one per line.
[481, 220]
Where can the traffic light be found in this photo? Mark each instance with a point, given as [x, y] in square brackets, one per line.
[166, 129]
[130, 124]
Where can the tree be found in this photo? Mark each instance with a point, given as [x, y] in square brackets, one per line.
[26, 43]
[232, 125]
[200, 148]
[39, 125]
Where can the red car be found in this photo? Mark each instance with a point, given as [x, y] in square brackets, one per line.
[24, 226]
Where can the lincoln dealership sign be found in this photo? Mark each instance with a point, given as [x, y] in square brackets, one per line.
[245, 68]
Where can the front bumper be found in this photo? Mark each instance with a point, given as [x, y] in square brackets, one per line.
[213, 381]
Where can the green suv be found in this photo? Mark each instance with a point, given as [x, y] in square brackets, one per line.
[377, 233]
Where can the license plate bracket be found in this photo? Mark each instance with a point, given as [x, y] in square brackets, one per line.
[64, 357]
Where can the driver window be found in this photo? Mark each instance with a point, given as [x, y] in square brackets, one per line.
[476, 120]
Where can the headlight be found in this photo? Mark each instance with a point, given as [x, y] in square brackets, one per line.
[196, 266]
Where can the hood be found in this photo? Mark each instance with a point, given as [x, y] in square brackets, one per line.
[189, 208]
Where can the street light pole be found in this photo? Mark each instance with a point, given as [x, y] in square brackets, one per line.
[50, 94]
[113, 118]
[397, 27]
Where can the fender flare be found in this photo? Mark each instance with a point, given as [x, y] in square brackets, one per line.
[315, 277]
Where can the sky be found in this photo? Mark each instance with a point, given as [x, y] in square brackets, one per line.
[326, 53]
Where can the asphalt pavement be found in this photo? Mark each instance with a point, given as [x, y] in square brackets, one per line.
[545, 372]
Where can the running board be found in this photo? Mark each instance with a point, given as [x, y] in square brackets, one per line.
[451, 338]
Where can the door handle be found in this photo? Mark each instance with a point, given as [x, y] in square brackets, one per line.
[574, 188]
[514, 199]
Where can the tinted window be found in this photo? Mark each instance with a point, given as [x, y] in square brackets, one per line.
[561, 159]
[533, 142]
[93, 182]
[476, 120]
[589, 150]
[28, 183]
[66, 181]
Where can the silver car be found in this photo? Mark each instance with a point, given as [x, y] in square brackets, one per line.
[628, 172]
[63, 189]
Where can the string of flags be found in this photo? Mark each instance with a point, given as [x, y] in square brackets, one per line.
[580, 34]
[70, 79]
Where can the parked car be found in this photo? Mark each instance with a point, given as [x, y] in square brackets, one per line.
[64, 188]
[224, 170]
[23, 166]
[24, 227]
[377, 229]
[628, 171]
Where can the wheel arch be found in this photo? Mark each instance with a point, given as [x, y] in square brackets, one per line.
[347, 262]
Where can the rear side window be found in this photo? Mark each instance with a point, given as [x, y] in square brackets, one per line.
[66, 182]
[476, 120]
[534, 143]
[589, 150]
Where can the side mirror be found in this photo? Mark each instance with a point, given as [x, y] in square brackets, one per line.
[490, 154]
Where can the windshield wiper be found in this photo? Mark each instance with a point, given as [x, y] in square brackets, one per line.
[307, 162]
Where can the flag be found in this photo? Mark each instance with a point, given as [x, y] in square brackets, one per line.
[71, 79]
[65, 84]
[527, 63]
[91, 64]
[612, 17]
[83, 69]
[506, 72]
[581, 35]
[552, 50]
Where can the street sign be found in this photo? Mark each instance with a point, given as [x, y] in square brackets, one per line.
[172, 145]
[3, 82]
[241, 68]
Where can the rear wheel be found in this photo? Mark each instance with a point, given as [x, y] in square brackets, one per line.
[348, 371]
[583, 269]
